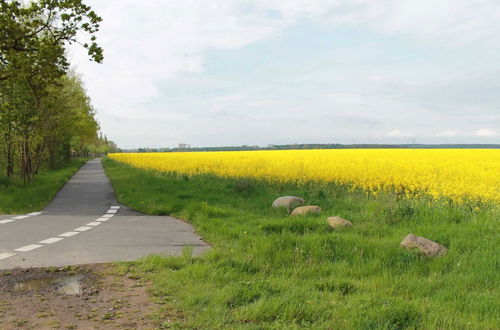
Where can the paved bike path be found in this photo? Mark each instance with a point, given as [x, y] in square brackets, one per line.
[85, 224]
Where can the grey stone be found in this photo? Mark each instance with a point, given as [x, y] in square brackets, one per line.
[336, 222]
[304, 210]
[289, 202]
[424, 245]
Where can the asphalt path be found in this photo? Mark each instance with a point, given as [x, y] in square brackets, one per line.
[85, 224]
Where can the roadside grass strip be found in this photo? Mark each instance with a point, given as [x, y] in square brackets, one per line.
[270, 270]
[51, 240]
[28, 248]
[6, 255]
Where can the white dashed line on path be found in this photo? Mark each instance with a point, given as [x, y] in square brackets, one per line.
[69, 234]
[21, 217]
[34, 213]
[51, 240]
[6, 255]
[114, 207]
[83, 228]
[28, 248]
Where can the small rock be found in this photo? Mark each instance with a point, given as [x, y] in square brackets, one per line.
[304, 210]
[426, 246]
[288, 201]
[335, 222]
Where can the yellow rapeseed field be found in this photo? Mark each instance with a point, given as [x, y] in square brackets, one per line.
[461, 175]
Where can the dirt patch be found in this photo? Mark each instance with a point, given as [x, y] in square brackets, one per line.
[84, 297]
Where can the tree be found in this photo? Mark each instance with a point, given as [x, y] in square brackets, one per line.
[31, 28]
[32, 66]
[71, 125]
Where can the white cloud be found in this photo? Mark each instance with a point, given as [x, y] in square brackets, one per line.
[449, 21]
[397, 133]
[484, 132]
[449, 133]
[148, 43]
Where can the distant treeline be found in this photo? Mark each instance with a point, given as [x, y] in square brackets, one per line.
[319, 146]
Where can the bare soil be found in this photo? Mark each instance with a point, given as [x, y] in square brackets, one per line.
[83, 297]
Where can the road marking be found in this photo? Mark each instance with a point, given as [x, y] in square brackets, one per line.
[51, 240]
[28, 248]
[114, 207]
[34, 213]
[102, 219]
[6, 255]
[20, 217]
[83, 228]
[93, 224]
[108, 215]
[69, 234]
[112, 211]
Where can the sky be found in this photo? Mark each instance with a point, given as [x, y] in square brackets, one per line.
[259, 72]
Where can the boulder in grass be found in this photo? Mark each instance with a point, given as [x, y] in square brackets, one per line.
[424, 245]
[306, 210]
[289, 202]
[336, 222]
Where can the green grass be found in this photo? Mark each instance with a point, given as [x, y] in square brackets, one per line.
[16, 197]
[268, 270]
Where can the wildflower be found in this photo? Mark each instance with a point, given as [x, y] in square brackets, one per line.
[457, 175]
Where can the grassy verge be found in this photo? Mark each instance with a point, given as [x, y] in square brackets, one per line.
[269, 270]
[19, 198]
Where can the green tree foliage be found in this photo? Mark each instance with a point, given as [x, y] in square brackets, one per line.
[70, 126]
[42, 25]
[45, 114]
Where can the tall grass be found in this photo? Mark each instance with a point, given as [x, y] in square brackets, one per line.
[16, 197]
[268, 270]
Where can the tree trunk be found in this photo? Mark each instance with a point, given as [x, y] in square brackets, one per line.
[10, 160]
[38, 158]
[9, 147]
[26, 162]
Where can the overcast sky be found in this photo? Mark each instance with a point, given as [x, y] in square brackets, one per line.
[258, 72]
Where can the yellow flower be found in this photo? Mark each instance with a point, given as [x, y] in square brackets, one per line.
[461, 175]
